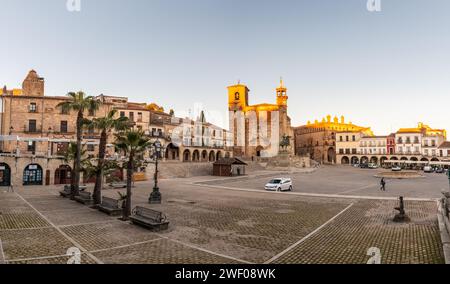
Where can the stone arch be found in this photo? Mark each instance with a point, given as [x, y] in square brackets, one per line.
[259, 150]
[331, 155]
[355, 160]
[374, 160]
[212, 156]
[435, 160]
[414, 159]
[33, 175]
[345, 160]
[172, 152]
[196, 156]
[424, 160]
[394, 159]
[383, 160]
[364, 160]
[5, 174]
[204, 156]
[186, 155]
[218, 155]
[403, 159]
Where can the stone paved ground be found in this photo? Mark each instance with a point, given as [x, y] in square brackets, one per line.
[214, 225]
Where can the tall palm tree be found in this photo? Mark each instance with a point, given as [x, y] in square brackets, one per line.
[105, 125]
[80, 103]
[132, 143]
[70, 156]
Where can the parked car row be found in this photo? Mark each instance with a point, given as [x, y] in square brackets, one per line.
[366, 166]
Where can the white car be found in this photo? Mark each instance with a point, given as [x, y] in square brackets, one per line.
[428, 169]
[279, 184]
[396, 169]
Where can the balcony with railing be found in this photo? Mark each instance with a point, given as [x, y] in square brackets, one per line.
[30, 129]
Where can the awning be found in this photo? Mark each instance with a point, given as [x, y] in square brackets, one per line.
[61, 140]
[9, 138]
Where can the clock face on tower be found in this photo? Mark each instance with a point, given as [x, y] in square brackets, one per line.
[236, 96]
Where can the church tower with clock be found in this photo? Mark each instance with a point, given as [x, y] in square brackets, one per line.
[254, 127]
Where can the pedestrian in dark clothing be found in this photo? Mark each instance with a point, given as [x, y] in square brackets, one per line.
[383, 185]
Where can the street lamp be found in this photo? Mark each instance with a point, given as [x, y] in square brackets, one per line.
[155, 196]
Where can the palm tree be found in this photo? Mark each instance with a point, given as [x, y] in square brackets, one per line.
[105, 125]
[132, 143]
[80, 103]
[70, 156]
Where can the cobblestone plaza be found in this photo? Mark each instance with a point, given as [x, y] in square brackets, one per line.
[221, 222]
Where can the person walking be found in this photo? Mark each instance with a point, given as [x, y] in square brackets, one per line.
[383, 185]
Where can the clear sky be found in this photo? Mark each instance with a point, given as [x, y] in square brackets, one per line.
[385, 69]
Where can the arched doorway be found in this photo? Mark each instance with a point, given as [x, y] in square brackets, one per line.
[355, 160]
[424, 160]
[204, 156]
[5, 174]
[364, 160]
[172, 152]
[259, 150]
[382, 160]
[414, 159]
[331, 155]
[196, 156]
[186, 156]
[212, 156]
[32, 175]
[218, 155]
[435, 160]
[63, 175]
[403, 159]
[345, 160]
[374, 160]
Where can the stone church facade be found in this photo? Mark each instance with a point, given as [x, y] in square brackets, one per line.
[257, 130]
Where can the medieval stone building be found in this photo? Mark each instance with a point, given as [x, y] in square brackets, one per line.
[257, 130]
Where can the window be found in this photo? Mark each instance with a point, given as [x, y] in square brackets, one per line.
[32, 107]
[353, 138]
[340, 139]
[341, 151]
[433, 143]
[139, 117]
[31, 147]
[91, 147]
[122, 114]
[63, 126]
[32, 126]
[131, 116]
[346, 138]
[91, 112]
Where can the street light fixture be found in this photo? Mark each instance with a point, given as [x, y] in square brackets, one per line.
[155, 196]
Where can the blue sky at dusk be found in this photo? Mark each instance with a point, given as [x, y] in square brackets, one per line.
[385, 69]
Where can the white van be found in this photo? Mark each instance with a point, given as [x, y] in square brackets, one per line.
[279, 184]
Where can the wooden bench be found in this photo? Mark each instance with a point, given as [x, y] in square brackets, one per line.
[84, 198]
[110, 206]
[149, 218]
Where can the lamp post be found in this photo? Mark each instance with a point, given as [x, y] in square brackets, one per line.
[155, 196]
